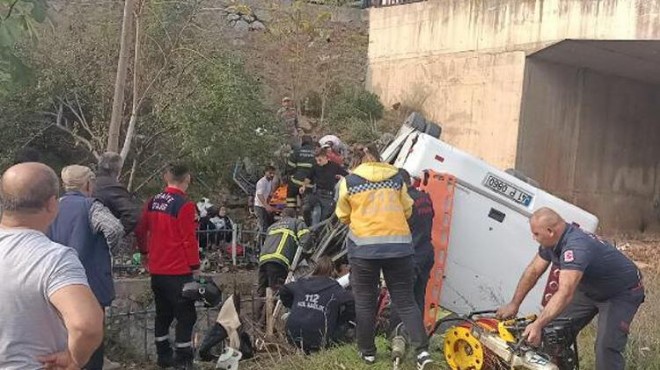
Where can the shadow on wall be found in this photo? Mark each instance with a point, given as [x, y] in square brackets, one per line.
[588, 128]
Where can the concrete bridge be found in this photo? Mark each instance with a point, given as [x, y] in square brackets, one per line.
[567, 91]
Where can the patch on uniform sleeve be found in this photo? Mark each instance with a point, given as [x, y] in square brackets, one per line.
[568, 256]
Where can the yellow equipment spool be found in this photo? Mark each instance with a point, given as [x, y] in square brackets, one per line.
[462, 350]
[504, 333]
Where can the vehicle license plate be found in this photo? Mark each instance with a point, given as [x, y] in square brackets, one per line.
[510, 191]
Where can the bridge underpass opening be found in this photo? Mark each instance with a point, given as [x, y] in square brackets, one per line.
[590, 128]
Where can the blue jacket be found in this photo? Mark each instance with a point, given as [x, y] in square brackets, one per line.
[73, 229]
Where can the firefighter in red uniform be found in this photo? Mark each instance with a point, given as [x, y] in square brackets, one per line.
[166, 237]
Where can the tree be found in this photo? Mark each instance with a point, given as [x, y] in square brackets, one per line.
[122, 68]
[17, 21]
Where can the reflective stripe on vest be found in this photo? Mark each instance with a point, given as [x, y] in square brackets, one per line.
[278, 252]
[384, 239]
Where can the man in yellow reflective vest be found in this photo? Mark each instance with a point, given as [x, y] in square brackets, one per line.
[283, 239]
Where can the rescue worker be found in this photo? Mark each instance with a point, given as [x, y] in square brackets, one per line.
[166, 238]
[320, 309]
[374, 202]
[421, 226]
[298, 168]
[334, 147]
[283, 239]
[594, 278]
[324, 175]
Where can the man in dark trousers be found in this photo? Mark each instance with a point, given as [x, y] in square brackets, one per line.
[86, 225]
[421, 226]
[594, 278]
[299, 166]
[283, 239]
[113, 194]
[324, 175]
[166, 238]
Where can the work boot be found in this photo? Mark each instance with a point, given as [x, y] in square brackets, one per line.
[424, 361]
[213, 337]
[165, 354]
[183, 358]
[367, 359]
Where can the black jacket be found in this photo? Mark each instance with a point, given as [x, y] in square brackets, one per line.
[300, 163]
[283, 240]
[115, 196]
[421, 225]
[319, 305]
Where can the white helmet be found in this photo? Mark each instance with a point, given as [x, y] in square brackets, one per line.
[228, 360]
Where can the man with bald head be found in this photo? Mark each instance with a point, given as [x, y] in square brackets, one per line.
[49, 318]
[595, 278]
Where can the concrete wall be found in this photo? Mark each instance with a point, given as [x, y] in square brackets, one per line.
[452, 26]
[462, 61]
[475, 98]
[593, 139]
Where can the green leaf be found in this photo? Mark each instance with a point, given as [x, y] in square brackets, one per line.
[19, 71]
[39, 10]
[6, 40]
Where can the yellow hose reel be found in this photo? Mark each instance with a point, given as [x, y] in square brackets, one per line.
[462, 350]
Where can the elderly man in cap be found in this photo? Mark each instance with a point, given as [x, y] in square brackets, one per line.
[86, 225]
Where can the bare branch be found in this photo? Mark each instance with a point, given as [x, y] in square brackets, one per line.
[194, 52]
[83, 120]
[39, 133]
[137, 102]
[160, 48]
[131, 177]
[159, 170]
[153, 137]
[65, 127]
[77, 111]
[162, 25]
[11, 9]
[120, 81]
[130, 132]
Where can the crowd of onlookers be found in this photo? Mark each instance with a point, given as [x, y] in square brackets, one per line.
[57, 236]
[56, 262]
[389, 233]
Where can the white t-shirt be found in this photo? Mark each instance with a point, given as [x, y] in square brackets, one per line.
[32, 268]
[265, 188]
